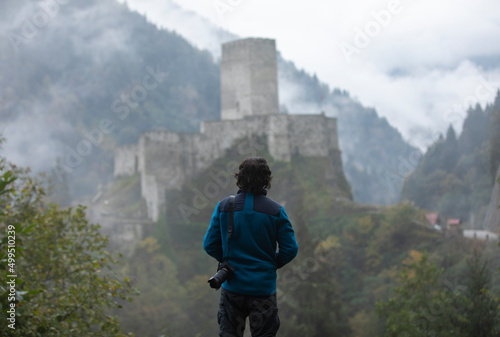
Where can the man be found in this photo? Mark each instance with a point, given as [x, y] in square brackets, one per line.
[259, 226]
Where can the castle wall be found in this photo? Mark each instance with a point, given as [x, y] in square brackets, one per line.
[278, 137]
[332, 131]
[167, 160]
[249, 78]
[287, 135]
[126, 160]
[312, 135]
[223, 134]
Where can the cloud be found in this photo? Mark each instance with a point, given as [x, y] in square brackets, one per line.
[167, 14]
[427, 101]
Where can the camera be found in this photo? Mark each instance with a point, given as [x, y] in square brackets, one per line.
[224, 271]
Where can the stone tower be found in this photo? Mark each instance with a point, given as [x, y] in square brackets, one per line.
[249, 78]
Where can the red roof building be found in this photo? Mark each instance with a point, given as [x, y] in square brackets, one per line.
[454, 227]
[433, 218]
[454, 222]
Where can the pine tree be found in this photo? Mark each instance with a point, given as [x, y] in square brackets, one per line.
[449, 155]
[494, 134]
[479, 306]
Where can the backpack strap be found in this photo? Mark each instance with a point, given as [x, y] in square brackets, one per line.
[231, 218]
[230, 225]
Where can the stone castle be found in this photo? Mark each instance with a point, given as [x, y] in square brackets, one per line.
[249, 107]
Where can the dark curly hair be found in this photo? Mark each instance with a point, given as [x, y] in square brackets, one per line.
[254, 175]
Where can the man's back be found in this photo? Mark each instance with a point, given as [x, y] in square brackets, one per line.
[248, 257]
[260, 224]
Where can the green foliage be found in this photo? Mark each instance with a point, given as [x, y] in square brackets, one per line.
[65, 284]
[347, 255]
[421, 306]
[349, 259]
[426, 303]
[155, 276]
[166, 304]
[6, 180]
[309, 287]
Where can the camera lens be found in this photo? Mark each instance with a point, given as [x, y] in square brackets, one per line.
[219, 278]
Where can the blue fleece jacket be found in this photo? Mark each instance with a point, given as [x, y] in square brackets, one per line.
[260, 225]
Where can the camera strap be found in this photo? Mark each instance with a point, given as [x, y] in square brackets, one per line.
[230, 223]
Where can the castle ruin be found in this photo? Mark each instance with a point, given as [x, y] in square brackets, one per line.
[249, 107]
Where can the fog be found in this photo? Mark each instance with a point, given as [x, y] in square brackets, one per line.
[35, 136]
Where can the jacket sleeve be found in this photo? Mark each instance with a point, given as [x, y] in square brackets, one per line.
[212, 243]
[287, 245]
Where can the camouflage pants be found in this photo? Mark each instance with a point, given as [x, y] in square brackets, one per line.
[262, 313]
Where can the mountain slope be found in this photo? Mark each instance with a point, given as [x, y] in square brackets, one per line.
[96, 61]
[89, 63]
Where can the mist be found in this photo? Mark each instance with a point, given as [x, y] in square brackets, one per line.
[35, 135]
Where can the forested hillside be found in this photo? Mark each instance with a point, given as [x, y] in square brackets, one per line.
[95, 61]
[351, 259]
[361, 271]
[455, 176]
[88, 63]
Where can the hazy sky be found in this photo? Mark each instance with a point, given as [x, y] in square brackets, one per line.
[415, 61]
